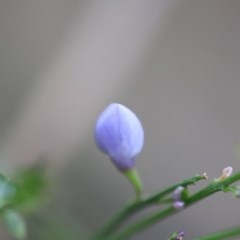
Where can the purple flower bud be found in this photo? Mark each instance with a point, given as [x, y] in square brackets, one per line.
[177, 235]
[177, 193]
[178, 205]
[180, 235]
[119, 134]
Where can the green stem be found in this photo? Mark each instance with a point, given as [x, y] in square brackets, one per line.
[134, 179]
[156, 217]
[142, 224]
[141, 204]
[225, 234]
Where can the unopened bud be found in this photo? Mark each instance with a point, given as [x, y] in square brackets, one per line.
[227, 172]
[205, 176]
[177, 193]
[119, 134]
[178, 205]
[180, 236]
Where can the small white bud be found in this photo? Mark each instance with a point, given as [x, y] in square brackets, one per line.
[227, 172]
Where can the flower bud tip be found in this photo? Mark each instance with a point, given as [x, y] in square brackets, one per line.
[178, 205]
[227, 172]
[180, 235]
[205, 176]
[177, 193]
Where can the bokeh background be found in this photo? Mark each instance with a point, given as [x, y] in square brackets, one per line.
[176, 64]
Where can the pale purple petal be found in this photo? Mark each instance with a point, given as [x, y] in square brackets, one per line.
[119, 134]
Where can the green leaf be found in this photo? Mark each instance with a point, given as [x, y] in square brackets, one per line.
[14, 223]
[32, 182]
[8, 191]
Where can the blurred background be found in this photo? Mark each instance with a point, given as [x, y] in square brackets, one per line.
[176, 64]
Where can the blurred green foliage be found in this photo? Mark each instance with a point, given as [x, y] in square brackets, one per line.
[8, 191]
[33, 185]
[29, 195]
[19, 196]
[14, 223]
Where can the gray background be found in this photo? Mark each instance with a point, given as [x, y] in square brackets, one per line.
[176, 64]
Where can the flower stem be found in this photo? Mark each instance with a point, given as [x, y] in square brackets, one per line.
[225, 234]
[142, 224]
[141, 204]
[134, 179]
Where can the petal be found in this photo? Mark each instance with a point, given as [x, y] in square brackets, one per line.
[119, 134]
